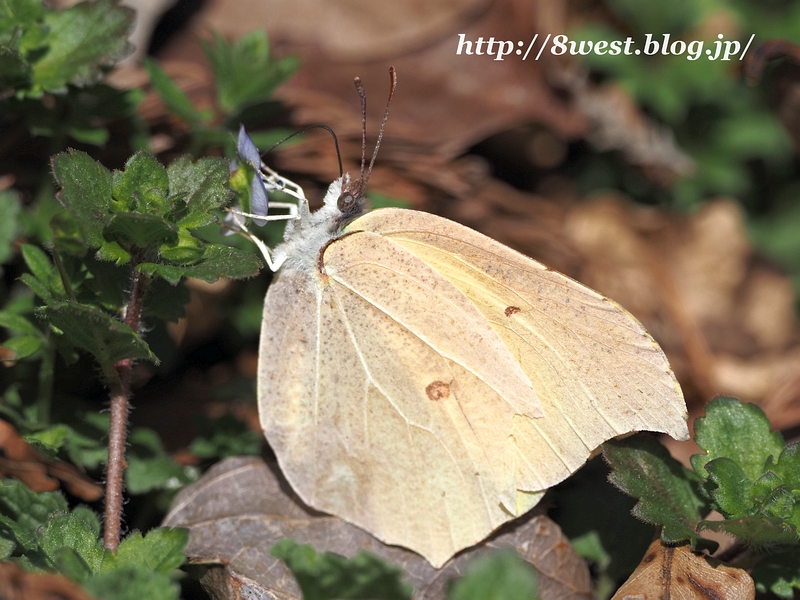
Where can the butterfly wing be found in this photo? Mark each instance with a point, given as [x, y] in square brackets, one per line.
[389, 399]
[597, 373]
[395, 380]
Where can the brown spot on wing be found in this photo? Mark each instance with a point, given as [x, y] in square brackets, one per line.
[512, 310]
[438, 390]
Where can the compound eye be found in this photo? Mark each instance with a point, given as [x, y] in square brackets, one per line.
[346, 202]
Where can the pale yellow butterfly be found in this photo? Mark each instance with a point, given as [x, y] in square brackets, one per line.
[428, 384]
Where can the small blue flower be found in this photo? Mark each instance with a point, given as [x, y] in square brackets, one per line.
[247, 150]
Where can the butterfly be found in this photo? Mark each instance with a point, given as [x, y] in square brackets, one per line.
[427, 383]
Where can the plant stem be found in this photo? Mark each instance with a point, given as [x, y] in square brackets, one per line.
[44, 394]
[120, 393]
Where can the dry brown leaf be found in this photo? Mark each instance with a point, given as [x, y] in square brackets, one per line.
[16, 584]
[724, 317]
[240, 509]
[676, 572]
[20, 460]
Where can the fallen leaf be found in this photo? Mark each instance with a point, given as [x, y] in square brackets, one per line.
[240, 509]
[20, 460]
[16, 584]
[676, 572]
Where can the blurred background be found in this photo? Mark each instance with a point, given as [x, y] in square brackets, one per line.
[670, 185]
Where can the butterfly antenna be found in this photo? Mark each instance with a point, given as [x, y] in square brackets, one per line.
[363, 96]
[326, 128]
[392, 87]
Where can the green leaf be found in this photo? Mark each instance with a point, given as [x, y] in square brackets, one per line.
[107, 339]
[26, 507]
[24, 346]
[131, 229]
[82, 40]
[85, 443]
[203, 187]
[224, 437]
[502, 575]
[18, 324]
[17, 14]
[331, 576]
[778, 573]
[244, 72]
[173, 97]
[130, 583]
[756, 530]
[64, 530]
[113, 252]
[186, 250]
[149, 466]
[737, 431]
[86, 191]
[597, 518]
[10, 209]
[733, 493]
[70, 563]
[218, 261]
[143, 186]
[160, 551]
[41, 266]
[644, 469]
[37, 286]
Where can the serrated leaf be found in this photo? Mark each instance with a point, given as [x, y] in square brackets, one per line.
[24, 511]
[642, 468]
[218, 261]
[733, 493]
[143, 186]
[160, 551]
[737, 431]
[203, 186]
[107, 339]
[332, 576]
[131, 229]
[173, 97]
[502, 575]
[64, 530]
[131, 584]
[81, 41]
[86, 191]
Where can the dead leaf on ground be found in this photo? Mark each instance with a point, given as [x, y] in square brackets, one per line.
[20, 460]
[676, 572]
[724, 316]
[240, 509]
[16, 584]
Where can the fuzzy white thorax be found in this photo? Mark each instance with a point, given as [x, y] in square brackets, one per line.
[306, 235]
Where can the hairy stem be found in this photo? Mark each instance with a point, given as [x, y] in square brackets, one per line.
[120, 393]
